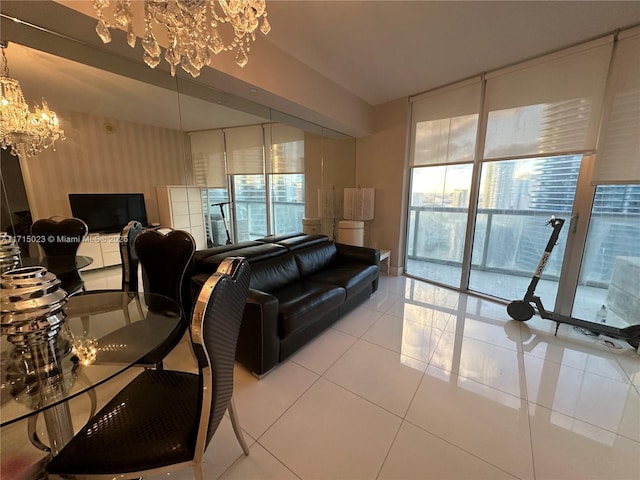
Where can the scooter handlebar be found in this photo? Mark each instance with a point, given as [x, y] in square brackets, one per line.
[553, 221]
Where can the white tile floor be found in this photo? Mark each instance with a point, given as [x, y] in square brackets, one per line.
[422, 382]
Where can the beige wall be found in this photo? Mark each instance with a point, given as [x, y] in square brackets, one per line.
[124, 157]
[381, 163]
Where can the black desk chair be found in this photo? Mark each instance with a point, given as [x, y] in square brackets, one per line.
[165, 254]
[164, 420]
[60, 238]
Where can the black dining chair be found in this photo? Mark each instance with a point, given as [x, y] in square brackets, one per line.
[164, 420]
[165, 255]
[59, 238]
[130, 263]
[129, 285]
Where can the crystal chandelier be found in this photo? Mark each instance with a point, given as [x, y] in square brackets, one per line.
[18, 126]
[191, 27]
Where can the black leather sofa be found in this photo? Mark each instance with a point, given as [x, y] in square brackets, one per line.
[300, 285]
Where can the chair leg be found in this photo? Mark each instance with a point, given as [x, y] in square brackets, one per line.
[140, 310]
[32, 422]
[125, 309]
[32, 433]
[197, 469]
[236, 427]
[86, 324]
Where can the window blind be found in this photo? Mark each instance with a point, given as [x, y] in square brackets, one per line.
[618, 155]
[284, 148]
[245, 150]
[444, 124]
[550, 105]
[207, 154]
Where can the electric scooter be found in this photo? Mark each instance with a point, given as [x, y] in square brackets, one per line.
[224, 220]
[523, 310]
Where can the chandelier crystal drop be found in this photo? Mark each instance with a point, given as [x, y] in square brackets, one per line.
[191, 27]
[19, 127]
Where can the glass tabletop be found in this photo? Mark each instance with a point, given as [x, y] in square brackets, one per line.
[59, 264]
[105, 333]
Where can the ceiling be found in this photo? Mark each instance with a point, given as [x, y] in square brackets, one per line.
[384, 50]
[378, 50]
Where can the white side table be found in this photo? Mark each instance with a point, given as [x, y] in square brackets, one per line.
[385, 256]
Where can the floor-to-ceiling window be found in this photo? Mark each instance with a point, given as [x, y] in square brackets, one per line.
[252, 179]
[444, 130]
[516, 200]
[478, 221]
[285, 166]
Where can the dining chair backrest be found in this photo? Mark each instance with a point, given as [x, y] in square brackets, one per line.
[164, 258]
[59, 235]
[215, 327]
[129, 257]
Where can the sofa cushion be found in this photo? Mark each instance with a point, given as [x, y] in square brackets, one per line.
[302, 303]
[208, 259]
[353, 277]
[253, 253]
[315, 258]
[208, 252]
[303, 241]
[273, 273]
[279, 237]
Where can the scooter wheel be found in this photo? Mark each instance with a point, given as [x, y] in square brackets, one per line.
[520, 310]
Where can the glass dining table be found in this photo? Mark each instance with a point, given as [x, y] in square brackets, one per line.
[58, 264]
[104, 333]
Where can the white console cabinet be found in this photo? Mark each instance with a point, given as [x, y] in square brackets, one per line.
[180, 207]
[103, 248]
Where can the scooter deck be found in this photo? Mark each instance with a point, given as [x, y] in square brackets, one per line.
[629, 333]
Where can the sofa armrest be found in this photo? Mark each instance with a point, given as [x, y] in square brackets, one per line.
[370, 256]
[258, 343]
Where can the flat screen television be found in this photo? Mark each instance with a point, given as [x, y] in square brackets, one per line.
[108, 212]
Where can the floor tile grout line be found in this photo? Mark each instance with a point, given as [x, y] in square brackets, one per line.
[279, 461]
[386, 456]
[586, 422]
[522, 367]
[403, 354]
[564, 365]
[625, 371]
[458, 447]
[476, 381]
[336, 361]
[242, 456]
[362, 398]
[290, 406]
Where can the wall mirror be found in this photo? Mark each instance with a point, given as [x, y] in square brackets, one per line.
[129, 129]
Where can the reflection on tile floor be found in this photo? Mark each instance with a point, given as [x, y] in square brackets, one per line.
[421, 382]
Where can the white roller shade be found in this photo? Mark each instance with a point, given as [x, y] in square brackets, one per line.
[444, 124]
[284, 148]
[618, 156]
[550, 105]
[207, 155]
[245, 150]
